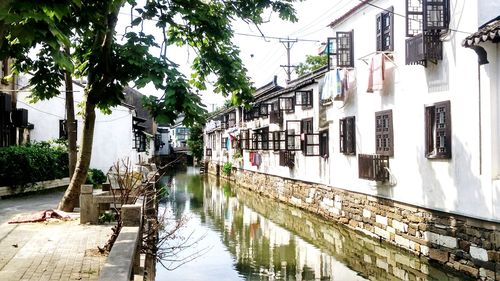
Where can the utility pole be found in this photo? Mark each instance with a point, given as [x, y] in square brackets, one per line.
[288, 43]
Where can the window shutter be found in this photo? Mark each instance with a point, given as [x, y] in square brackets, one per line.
[323, 144]
[384, 141]
[350, 137]
[342, 135]
[345, 56]
[443, 129]
[331, 51]
[378, 27]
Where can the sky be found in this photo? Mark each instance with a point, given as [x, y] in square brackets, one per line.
[263, 57]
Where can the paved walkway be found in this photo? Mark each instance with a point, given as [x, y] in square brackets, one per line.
[54, 250]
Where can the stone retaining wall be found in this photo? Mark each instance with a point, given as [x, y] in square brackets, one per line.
[41, 185]
[464, 244]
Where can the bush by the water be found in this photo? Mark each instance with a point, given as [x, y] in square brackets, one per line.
[96, 177]
[25, 164]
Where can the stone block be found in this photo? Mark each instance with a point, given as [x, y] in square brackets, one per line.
[382, 233]
[478, 253]
[390, 229]
[442, 240]
[131, 215]
[403, 242]
[403, 227]
[381, 219]
[439, 255]
[464, 245]
[494, 256]
[469, 270]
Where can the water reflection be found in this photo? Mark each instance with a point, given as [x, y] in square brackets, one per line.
[254, 238]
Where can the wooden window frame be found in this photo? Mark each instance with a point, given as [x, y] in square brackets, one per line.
[287, 158]
[345, 48]
[324, 140]
[232, 119]
[293, 142]
[304, 98]
[223, 143]
[279, 140]
[384, 134]
[438, 130]
[306, 127]
[256, 112]
[312, 142]
[373, 167]
[347, 135]
[331, 52]
[208, 152]
[287, 104]
[244, 139]
[421, 14]
[264, 110]
[385, 30]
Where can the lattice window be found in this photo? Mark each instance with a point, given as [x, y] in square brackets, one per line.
[384, 137]
[347, 135]
[287, 104]
[304, 98]
[293, 141]
[385, 30]
[438, 130]
[345, 49]
[427, 15]
[414, 17]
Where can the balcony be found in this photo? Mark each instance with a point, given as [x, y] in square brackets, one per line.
[373, 167]
[422, 48]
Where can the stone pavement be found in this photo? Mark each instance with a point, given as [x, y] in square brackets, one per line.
[54, 250]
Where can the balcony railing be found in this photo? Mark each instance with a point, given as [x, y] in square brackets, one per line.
[423, 47]
[373, 167]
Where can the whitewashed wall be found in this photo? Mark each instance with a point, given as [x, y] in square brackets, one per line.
[468, 183]
[113, 137]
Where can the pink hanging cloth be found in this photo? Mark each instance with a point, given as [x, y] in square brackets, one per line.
[376, 75]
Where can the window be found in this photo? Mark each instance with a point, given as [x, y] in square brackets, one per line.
[323, 144]
[438, 130]
[275, 116]
[264, 110]
[232, 119]
[425, 21]
[385, 30]
[140, 141]
[347, 135]
[63, 129]
[345, 47]
[256, 111]
[235, 143]
[306, 127]
[223, 143]
[279, 140]
[304, 98]
[248, 114]
[244, 139]
[384, 139]
[208, 152]
[287, 104]
[293, 135]
[261, 139]
[311, 145]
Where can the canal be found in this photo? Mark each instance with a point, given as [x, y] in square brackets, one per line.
[234, 234]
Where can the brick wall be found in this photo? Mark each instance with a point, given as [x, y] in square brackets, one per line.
[464, 244]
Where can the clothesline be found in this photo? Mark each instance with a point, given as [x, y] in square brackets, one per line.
[389, 55]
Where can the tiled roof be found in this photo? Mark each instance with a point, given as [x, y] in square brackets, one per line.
[488, 32]
[348, 13]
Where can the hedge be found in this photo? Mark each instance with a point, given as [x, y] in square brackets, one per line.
[26, 164]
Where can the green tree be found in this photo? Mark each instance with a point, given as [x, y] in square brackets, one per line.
[111, 61]
[311, 64]
[195, 141]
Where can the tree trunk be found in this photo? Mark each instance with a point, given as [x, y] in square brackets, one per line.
[71, 127]
[71, 196]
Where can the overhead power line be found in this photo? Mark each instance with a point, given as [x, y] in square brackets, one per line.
[276, 38]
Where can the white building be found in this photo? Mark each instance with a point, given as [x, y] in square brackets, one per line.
[403, 115]
[114, 135]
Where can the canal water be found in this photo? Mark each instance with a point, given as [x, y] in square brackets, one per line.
[234, 234]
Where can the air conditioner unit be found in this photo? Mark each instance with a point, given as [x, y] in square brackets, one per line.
[5, 102]
[20, 118]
